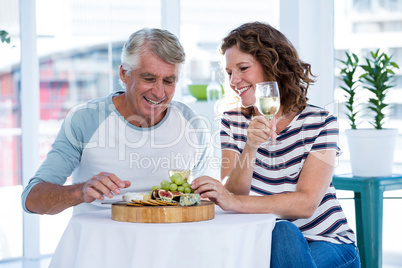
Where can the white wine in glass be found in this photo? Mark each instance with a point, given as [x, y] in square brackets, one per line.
[185, 173]
[268, 102]
[268, 106]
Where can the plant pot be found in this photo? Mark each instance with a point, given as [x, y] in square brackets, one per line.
[372, 151]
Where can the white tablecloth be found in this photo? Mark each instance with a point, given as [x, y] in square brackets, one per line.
[229, 240]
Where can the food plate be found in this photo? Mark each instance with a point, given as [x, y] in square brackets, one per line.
[137, 212]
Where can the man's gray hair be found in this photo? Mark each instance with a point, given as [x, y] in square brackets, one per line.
[159, 42]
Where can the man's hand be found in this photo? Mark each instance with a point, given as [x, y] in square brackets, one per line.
[49, 198]
[103, 184]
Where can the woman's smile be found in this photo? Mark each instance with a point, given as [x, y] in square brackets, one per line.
[240, 91]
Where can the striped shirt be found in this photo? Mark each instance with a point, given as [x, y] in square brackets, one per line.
[278, 168]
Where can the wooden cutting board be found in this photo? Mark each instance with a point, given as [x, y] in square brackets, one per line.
[163, 214]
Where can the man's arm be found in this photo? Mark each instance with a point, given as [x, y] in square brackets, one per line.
[49, 198]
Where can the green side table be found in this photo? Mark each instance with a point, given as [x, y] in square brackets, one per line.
[368, 195]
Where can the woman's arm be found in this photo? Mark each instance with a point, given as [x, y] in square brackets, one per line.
[237, 170]
[313, 183]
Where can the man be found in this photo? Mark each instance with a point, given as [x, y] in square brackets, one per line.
[126, 141]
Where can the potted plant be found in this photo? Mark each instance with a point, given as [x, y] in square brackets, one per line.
[4, 37]
[371, 149]
[348, 74]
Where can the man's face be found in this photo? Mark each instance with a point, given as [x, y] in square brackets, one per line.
[149, 89]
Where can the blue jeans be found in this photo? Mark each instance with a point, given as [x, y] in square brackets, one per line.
[291, 249]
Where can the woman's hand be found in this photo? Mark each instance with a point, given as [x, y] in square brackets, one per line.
[214, 190]
[260, 130]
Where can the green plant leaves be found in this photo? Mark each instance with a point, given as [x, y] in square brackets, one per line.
[4, 37]
[377, 78]
[348, 77]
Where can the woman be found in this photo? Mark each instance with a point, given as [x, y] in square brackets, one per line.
[293, 179]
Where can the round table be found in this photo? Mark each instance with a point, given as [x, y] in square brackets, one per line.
[229, 240]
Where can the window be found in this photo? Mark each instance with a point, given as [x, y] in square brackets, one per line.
[10, 136]
[205, 23]
[362, 26]
[79, 45]
[79, 50]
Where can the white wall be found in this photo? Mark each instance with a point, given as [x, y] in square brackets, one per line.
[309, 25]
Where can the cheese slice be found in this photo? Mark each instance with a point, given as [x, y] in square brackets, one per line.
[190, 200]
[127, 197]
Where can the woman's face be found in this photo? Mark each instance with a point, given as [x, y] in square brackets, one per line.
[244, 73]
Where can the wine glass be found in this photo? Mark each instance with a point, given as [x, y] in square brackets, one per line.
[268, 102]
[186, 173]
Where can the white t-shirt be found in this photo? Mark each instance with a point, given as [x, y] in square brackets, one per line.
[96, 138]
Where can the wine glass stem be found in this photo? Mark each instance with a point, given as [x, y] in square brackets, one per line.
[270, 139]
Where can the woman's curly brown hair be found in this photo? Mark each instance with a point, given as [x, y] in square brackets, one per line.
[279, 59]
